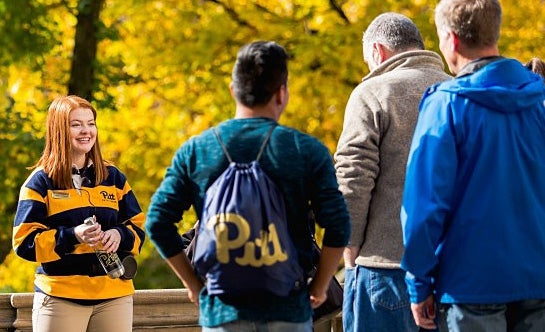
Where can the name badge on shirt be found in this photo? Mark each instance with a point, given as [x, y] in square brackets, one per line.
[57, 194]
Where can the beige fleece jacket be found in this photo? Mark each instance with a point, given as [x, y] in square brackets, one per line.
[372, 151]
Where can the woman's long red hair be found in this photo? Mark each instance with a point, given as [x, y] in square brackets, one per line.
[56, 158]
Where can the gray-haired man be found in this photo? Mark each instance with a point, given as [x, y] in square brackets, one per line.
[370, 165]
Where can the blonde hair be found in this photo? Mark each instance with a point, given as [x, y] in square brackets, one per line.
[476, 22]
[56, 158]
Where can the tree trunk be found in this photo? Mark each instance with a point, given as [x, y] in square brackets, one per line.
[85, 48]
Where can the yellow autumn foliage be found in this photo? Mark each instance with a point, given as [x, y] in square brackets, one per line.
[162, 75]
[16, 275]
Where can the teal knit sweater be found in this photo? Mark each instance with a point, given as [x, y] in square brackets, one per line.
[303, 170]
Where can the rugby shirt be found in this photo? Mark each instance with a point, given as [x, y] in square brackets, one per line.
[43, 232]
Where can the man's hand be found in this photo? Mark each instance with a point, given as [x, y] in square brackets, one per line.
[424, 313]
[317, 298]
[193, 293]
[180, 264]
[349, 254]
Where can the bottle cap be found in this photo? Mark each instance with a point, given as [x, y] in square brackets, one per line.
[130, 265]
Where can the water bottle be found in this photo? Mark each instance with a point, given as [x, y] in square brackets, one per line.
[109, 261]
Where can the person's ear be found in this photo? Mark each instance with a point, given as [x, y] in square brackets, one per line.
[231, 89]
[380, 53]
[282, 95]
[376, 54]
[454, 41]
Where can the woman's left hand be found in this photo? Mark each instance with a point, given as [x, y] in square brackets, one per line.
[111, 240]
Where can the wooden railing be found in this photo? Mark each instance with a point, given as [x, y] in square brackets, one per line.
[159, 310]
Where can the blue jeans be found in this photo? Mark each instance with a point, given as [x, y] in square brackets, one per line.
[376, 300]
[250, 326]
[520, 316]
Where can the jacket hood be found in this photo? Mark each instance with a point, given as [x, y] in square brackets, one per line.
[504, 85]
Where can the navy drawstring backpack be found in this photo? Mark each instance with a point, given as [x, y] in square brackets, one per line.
[243, 245]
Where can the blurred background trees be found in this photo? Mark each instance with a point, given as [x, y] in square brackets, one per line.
[158, 73]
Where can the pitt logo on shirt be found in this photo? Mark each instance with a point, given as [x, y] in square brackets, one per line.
[108, 196]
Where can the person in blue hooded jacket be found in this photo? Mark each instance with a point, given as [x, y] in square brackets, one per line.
[473, 210]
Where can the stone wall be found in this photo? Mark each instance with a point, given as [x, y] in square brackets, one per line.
[167, 310]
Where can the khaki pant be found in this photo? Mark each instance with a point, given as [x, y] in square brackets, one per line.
[51, 314]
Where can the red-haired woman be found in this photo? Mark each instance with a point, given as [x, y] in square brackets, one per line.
[71, 182]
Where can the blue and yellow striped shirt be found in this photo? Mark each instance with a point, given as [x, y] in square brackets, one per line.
[43, 232]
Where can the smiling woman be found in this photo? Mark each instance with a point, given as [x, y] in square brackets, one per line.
[83, 133]
[72, 182]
